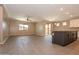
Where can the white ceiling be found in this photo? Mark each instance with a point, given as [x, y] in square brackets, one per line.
[43, 12]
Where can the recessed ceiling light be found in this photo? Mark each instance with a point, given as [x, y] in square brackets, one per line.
[67, 13]
[70, 15]
[61, 9]
[53, 18]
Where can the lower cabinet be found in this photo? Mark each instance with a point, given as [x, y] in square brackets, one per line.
[64, 37]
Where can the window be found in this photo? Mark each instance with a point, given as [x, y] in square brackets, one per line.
[23, 27]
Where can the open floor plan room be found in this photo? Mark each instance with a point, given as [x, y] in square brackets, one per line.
[39, 29]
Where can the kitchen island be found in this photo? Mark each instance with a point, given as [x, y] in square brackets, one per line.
[64, 37]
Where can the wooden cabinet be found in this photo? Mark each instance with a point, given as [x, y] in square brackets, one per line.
[64, 37]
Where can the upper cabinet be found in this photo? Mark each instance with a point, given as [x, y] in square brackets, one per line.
[74, 23]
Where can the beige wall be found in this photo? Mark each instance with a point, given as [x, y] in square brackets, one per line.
[34, 28]
[1, 17]
[4, 25]
[40, 28]
[14, 28]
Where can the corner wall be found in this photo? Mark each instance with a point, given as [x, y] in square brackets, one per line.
[40, 29]
[4, 25]
[1, 18]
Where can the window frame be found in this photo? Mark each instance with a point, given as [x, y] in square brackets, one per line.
[23, 27]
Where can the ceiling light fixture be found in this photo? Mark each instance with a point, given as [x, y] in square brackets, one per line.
[70, 15]
[61, 9]
[53, 18]
[67, 13]
[27, 19]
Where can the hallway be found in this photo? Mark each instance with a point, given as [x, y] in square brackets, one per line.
[36, 45]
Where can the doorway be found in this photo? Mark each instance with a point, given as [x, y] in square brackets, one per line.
[48, 29]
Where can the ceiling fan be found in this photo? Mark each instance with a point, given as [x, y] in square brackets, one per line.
[28, 20]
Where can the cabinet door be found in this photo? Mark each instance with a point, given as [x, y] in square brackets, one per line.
[59, 38]
[67, 38]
